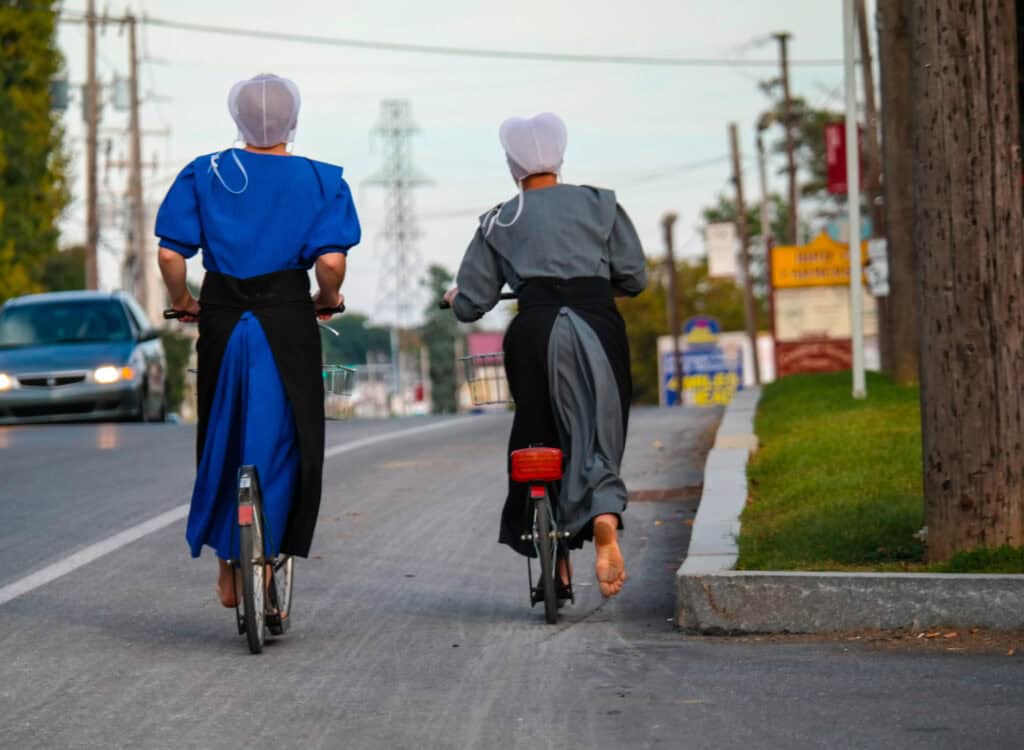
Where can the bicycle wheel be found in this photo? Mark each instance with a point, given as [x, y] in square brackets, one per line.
[252, 563]
[281, 594]
[546, 551]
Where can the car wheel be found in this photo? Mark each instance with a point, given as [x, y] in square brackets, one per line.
[161, 416]
[141, 415]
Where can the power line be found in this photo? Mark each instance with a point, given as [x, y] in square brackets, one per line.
[427, 49]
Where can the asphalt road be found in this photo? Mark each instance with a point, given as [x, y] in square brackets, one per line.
[412, 628]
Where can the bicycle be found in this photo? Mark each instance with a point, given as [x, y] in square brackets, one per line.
[540, 468]
[252, 615]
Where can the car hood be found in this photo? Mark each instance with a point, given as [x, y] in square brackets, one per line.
[59, 357]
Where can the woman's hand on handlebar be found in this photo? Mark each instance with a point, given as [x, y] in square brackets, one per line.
[188, 306]
[325, 299]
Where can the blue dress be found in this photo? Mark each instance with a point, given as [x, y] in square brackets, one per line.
[260, 214]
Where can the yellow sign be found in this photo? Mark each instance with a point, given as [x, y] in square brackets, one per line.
[821, 262]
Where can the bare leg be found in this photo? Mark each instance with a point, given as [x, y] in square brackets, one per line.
[609, 566]
[227, 584]
[564, 570]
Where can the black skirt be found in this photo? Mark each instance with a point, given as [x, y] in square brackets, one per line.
[281, 303]
[544, 418]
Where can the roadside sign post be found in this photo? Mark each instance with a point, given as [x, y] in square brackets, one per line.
[853, 198]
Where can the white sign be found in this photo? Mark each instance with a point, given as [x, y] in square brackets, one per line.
[877, 271]
[721, 244]
[819, 312]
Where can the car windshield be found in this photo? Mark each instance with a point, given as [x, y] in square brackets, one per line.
[44, 323]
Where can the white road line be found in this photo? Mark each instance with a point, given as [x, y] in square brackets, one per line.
[374, 439]
[95, 551]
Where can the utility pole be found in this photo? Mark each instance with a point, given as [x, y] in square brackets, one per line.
[766, 224]
[969, 247]
[872, 163]
[787, 122]
[400, 265]
[667, 222]
[135, 264]
[91, 107]
[762, 172]
[741, 226]
[894, 56]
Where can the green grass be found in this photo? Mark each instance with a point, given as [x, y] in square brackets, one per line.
[1000, 560]
[836, 483]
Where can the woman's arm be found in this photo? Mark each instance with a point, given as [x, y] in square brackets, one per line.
[479, 281]
[626, 256]
[173, 269]
[330, 273]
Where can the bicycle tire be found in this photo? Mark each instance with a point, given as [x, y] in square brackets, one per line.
[252, 558]
[281, 594]
[546, 551]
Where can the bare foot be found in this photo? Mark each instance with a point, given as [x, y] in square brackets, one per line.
[228, 585]
[609, 566]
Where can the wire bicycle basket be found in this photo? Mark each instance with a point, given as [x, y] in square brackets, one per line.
[339, 380]
[485, 376]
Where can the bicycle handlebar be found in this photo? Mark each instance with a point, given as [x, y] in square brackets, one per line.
[504, 297]
[172, 314]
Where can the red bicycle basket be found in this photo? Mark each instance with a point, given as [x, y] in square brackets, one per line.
[536, 465]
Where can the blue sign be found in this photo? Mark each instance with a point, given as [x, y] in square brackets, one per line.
[710, 377]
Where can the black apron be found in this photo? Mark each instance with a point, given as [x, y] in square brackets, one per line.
[526, 365]
[281, 303]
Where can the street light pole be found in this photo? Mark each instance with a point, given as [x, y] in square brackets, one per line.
[853, 198]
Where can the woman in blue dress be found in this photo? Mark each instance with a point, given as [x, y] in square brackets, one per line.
[262, 218]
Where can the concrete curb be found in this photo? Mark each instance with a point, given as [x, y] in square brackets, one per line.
[711, 597]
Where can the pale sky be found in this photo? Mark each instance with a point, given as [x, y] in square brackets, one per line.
[628, 124]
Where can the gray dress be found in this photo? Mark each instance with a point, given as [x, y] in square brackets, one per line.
[566, 352]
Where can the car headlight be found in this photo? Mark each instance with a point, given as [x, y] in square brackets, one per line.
[109, 374]
[6, 382]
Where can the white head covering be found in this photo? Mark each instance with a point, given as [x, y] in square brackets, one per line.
[532, 146]
[535, 145]
[265, 109]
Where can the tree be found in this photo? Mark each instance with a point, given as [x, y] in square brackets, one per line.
[969, 246]
[64, 271]
[355, 339]
[438, 333]
[894, 55]
[32, 188]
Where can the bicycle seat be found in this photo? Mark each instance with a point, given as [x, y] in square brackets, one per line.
[536, 465]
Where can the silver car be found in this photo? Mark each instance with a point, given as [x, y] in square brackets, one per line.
[79, 355]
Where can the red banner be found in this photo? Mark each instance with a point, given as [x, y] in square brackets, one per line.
[835, 157]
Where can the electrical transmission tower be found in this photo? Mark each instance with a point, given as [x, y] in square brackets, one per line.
[398, 289]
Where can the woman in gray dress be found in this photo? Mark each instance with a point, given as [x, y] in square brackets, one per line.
[566, 250]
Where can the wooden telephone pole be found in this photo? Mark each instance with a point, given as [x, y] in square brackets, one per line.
[741, 228]
[969, 245]
[787, 122]
[895, 64]
[667, 223]
[92, 116]
[136, 260]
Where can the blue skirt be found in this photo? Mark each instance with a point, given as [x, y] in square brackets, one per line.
[251, 422]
